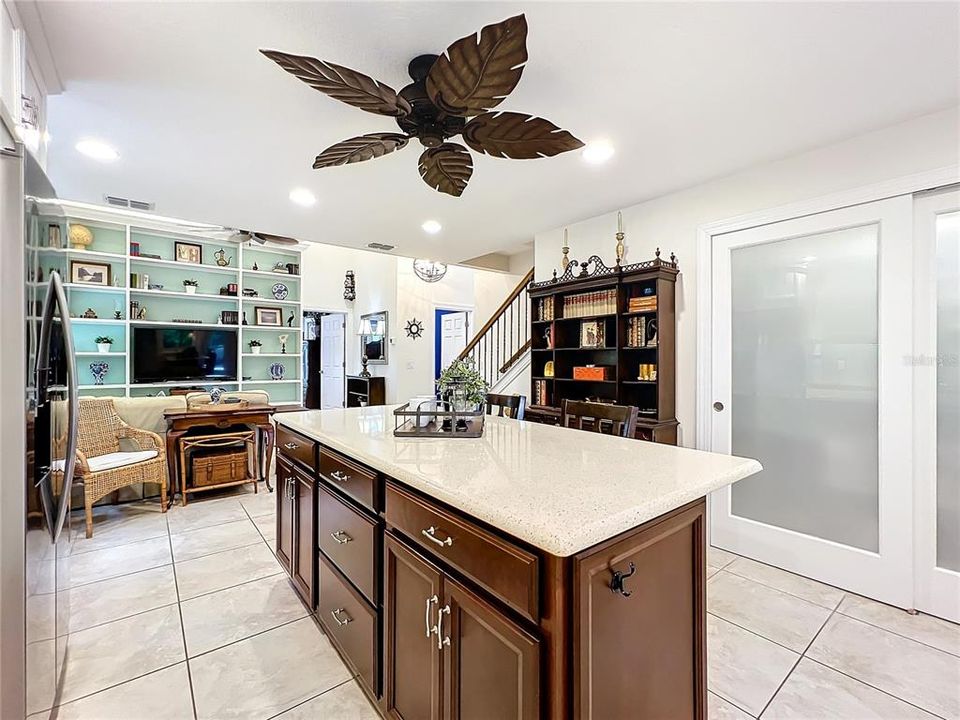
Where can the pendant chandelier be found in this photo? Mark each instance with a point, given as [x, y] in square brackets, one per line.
[429, 270]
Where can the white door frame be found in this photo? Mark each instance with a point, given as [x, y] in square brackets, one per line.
[937, 589]
[331, 311]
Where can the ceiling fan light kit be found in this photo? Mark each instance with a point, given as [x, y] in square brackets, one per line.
[451, 94]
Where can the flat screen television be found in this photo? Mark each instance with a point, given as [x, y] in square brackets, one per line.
[166, 354]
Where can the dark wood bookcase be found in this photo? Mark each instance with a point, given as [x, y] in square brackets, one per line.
[368, 391]
[558, 341]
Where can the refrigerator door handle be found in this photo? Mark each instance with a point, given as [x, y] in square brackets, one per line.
[56, 301]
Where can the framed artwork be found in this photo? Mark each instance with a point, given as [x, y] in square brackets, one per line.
[90, 273]
[591, 334]
[188, 252]
[269, 316]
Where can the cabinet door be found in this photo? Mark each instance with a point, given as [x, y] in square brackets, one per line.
[491, 666]
[411, 656]
[304, 540]
[641, 650]
[284, 540]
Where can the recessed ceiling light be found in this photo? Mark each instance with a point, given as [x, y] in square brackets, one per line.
[598, 151]
[302, 196]
[432, 227]
[98, 150]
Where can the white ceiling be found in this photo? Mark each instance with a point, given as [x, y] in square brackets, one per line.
[212, 131]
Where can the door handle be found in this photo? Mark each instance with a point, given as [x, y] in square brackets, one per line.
[336, 616]
[431, 534]
[341, 537]
[441, 640]
[426, 615]
[718, 406]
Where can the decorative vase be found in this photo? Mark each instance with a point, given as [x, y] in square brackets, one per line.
[190, 289]
[255, 349]
[99, 371]
[276, 371]
[103, 347]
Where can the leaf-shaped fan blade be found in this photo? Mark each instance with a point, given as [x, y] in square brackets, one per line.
[517, 136]
[473, 76]
[343, 84]
[447, 168]
[279, 239]
[358, 149]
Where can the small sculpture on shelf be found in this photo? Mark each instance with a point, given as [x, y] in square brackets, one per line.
[81, 237]
[221, 257]
[283, 342]
[99, 371]
[291, 319]
[255, 267]
[89, 314]
[245, 318]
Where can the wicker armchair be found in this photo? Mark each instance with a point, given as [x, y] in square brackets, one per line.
[102, 467]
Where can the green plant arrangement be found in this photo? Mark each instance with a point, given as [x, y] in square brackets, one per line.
[466, 387]
[255, 343]
[104, 340]
[190, 285]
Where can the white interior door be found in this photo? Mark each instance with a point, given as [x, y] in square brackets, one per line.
[453, 337]
[811, 322]
[331, 361]
[936, 381]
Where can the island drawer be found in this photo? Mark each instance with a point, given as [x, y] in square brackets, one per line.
[345, 475]
[296, 447]
[505, 570]
[348, 539]
[350, 623]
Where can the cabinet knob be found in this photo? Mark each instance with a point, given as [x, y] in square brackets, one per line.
[336, 616]
[431, 534]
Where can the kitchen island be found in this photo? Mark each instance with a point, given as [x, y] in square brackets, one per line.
[535, 572]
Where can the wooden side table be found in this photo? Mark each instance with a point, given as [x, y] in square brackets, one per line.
[257, 417]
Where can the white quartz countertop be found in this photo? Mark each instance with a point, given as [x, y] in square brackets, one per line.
[558, 489]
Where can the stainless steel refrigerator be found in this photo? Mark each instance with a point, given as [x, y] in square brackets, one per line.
[38, 438]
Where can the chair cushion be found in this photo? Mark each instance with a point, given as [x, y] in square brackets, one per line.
[111, 461]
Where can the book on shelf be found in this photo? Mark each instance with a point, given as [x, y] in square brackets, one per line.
[545, 308]
[599, 302]
[636, 331]
[541, 394]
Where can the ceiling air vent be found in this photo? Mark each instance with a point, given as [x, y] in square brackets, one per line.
[380, 246]
[126, 203]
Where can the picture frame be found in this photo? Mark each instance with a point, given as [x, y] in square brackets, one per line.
[268, 316]
[186, 252]
[83, 272]
[591, 334]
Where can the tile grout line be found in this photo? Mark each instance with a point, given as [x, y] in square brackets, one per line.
[314, 697]
[894, 632]
[797, 662]
[786, 592]
[251, 636]
[729, 701]
[183, 632]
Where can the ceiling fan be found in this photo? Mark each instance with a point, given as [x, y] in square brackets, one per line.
[227, 234]
[474, 76]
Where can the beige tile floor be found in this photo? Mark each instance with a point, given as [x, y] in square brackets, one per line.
[188, 615]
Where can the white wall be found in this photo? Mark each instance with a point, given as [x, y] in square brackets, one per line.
[671, 221]
[387, 282]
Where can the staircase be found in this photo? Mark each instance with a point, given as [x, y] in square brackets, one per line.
[502, 345]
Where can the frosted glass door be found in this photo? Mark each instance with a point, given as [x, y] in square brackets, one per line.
[811, 323]
[937, 404]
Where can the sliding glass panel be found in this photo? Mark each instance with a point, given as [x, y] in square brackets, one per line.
[948, 391]
[804, 383]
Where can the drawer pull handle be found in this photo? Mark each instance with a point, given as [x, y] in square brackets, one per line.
[339, 476]
[336, 616]
[431, 534]
[291, 446]
[341, 537]
[426, 616]
[441, 640]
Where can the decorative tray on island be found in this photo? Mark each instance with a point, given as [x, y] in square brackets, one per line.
[428, 419]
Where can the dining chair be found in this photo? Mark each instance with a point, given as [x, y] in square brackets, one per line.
[603, 418]
[507, 405]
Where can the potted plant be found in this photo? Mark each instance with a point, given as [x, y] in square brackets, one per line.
[190, 286]
[104, 343]
[255, 346]
[463, 386]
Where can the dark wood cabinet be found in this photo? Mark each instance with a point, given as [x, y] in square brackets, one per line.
[366, 391]
[411, 656]
[296, 528]
[491, 666]
[447, 648]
